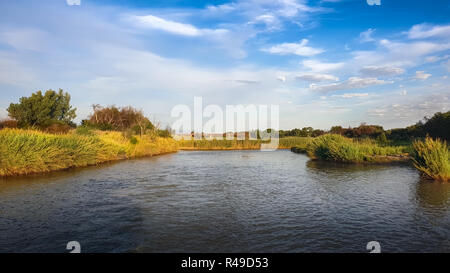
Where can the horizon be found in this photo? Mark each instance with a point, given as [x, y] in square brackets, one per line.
[325, 63]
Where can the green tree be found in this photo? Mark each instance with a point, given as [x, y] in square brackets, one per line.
[438, 126]
[43, 109]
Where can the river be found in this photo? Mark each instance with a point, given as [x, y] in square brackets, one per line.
[225, 201]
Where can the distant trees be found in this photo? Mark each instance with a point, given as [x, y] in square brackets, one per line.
[438, 126]
[364, 131]
[338, 130]
[304, 132]
[43, 110]
[118, 118]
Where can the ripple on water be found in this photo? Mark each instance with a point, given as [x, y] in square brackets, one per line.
[226, 201]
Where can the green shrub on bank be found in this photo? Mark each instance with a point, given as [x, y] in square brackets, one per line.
[432, 159]
[332, 147]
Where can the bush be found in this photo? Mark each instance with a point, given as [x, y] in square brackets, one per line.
[84, 131]
[432, 159]
[119, 119]
[133, 140]
[8, 123]
[56, 128]
[164, 133]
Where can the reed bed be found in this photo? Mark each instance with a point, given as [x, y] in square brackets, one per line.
[338, 148]
[28, 151]
[247, 144]
[432, 159]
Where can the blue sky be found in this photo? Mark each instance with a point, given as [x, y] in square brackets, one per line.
[329, 62]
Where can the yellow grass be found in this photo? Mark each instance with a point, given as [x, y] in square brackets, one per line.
[224, 144]
[432, 159]
[30, 151]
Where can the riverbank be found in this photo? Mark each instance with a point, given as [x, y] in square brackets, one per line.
[247, 144]
[337, 148]
[430, 157]
[25, 152]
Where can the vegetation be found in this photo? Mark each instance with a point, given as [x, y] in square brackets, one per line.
[332, 147]
[247, 144]
[438, 126]
[31, 151]
[51, 109]
[118, 119]
[39, 137]
[432, 159]
[304, 132]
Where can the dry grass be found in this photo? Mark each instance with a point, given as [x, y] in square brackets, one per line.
[223, 144]
[29, 151]
[432, 159]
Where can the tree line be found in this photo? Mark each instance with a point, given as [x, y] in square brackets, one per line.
[52, 112]
[437, 126]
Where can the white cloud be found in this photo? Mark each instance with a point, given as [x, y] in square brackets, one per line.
[26, 39]
[270, 21]
[247, 81]
[281, 8]
[294, 48]
[378, 71]
[351, 83]
[421, 75]
[427, 31]
[318, 66]
[154, 22]
[447, 65]
[317, 77]
[352, 95]
[73, 2]
[366, 36]
[398, 54]
[281, 78]
[411, 109]
[14, 72]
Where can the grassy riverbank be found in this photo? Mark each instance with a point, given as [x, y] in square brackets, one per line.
[223, 144]
[28, 151]
[338, 148]
[430, 157]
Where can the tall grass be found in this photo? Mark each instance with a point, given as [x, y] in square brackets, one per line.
[29, 151]
[338, 148]
[247, 144]
[432, 159]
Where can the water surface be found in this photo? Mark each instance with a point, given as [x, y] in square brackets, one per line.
[225, 201]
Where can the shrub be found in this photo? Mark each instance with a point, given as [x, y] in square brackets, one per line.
[133, 140]
[431, 158]
[56, 128]
[84, 131]
[8, 123]
[119, 118]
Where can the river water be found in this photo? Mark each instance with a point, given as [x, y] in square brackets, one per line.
[225, 201]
